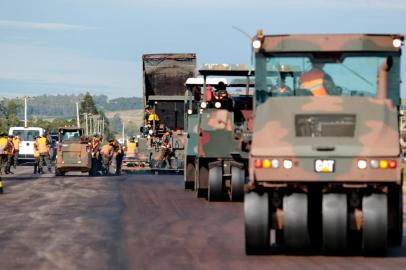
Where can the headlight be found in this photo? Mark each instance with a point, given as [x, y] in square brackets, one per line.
[189, 111]
[397, 43]
[150, 132]
[362, 164]
[138, 136]
[217, 105]
[275, 163]
[287, 164]
[203, 105]
[256, 44]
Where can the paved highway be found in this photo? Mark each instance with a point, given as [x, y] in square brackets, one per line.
[135, 222]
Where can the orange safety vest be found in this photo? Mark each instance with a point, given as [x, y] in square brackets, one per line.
[313, 80]
[131, 149]
[36, 152]
[3, 145]
[16, 143]
[42, 145]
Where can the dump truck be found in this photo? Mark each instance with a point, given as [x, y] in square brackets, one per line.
[324, 166]
[220, 164]
[73, 152]
[164, 76]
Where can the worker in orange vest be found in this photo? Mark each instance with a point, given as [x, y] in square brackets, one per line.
[43, 148]
[36, 156]
[5, 147]
[10, 154]
[316, 81]
[16, 143]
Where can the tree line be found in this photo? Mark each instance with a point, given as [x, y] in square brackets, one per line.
[10, 115]
[64, 106]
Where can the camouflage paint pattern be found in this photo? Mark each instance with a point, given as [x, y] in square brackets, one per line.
[376, 130]
[376, 137]
[191, 145]
[216, 134]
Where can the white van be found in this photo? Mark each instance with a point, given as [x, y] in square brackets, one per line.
[27, 140]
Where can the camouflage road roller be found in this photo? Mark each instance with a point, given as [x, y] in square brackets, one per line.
[225, 114]
[73, 152]
[324, 167]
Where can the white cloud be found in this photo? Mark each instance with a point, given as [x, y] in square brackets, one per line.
[8, 24]
[35, 66]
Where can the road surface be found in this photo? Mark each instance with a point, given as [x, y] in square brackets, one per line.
[135, 222]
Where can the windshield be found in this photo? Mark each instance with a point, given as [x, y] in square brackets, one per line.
[71, 135]
[26, 135]
[319, 74]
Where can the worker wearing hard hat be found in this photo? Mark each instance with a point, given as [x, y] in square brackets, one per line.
[16, 143]
[43, 148]
[5, 147]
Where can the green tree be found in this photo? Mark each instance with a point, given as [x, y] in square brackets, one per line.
[88, 105]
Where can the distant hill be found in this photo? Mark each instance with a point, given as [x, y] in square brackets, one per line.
[63, 106]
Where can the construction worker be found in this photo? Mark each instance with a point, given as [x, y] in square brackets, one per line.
[10, 154]
[36, 156]
[43, 148]
[316, 81]
[107, 154]
[16, 143]
[153, 119]
[4, 148]
[131, 149]
[165, 154]
[95, 146]
[119, 154]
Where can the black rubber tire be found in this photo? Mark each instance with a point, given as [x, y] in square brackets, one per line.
[375, 224]
[395, 216]
[257, 227]
[59, 172]
[237, 184]
[334, 222]
[201, 192]
[279, 238]
[296, 228]
[215, 191]
[190, 175]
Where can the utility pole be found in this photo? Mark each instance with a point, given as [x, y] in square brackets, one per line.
[77, 114]
[103, 126]
[123, 133]
[25, 112]
[86, 125]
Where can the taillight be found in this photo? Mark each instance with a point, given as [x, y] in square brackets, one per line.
[392, 164]
[258, 163]
[383, 164]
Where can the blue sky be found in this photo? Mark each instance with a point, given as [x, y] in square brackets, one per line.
[73, 46]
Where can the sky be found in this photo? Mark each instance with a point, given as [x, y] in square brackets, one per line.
[73, 46]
